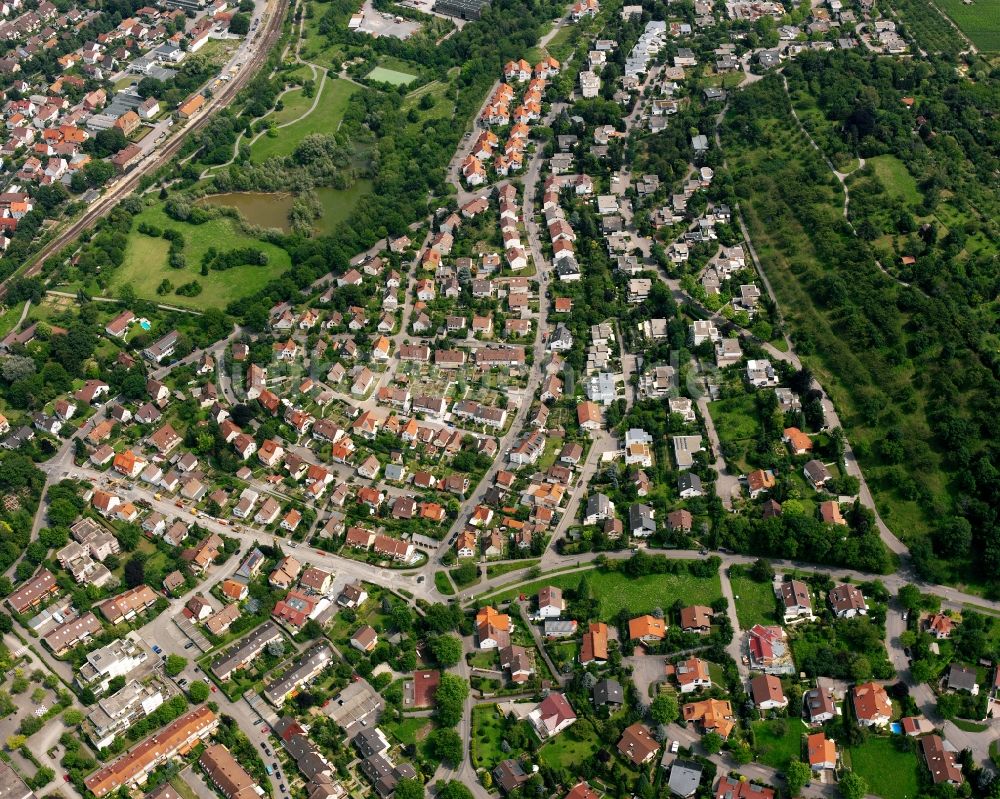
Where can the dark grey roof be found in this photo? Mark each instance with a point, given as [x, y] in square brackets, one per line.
[608, 692]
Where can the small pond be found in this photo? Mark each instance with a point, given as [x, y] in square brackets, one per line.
[270, 209]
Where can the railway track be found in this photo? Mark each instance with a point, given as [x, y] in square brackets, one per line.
[103, 205]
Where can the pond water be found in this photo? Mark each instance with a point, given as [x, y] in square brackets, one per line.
[263, 209]
[270, 209]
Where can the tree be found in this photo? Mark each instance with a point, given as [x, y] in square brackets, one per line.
[446, 649]
[16, 742]
[453, 789]
[446, 745]
[712, 742]
[741, 752]
[797, 776]
[42, 777]
[409, 788]
[135, 571]
[909, 597]
[450, 700]
[198, 691]
[17, 367]
[175, 665]
[72, 717]
[664, 709]
[853, 786]
[240, 24]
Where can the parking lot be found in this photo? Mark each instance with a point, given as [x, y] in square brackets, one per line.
[377, 23]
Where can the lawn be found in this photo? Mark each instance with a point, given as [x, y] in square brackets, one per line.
[443, 584]
[325, 118]
[616, 591]
[890, 773]
[407, 731]
[779, 741]
[896, 178]
[392, 76]
[184, 790]
[487, 732]
[146, 266]
[978, 21]
[755, 602]
[578, 744]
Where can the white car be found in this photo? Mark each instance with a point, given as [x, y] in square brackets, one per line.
[674, 747]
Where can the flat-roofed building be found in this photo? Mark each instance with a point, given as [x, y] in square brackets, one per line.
[120, 710]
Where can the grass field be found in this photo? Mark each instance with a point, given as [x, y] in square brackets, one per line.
[497, 569]
[754, 602]
[578, 744]
[294, 105]
[896, 178]
[324, 119]
[146, 262]
[779, 741]
[889, 773]
[9, 316]
[395, 77]
[616, 591]
[978, 21]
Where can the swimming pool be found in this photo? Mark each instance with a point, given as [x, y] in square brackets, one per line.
[145, 324]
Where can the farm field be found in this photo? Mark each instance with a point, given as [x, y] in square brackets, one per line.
[616, 591]
[146, 265]
[978, 21]
[924, 22]
[325, 118]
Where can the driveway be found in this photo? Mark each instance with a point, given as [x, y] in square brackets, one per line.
[647, 671]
